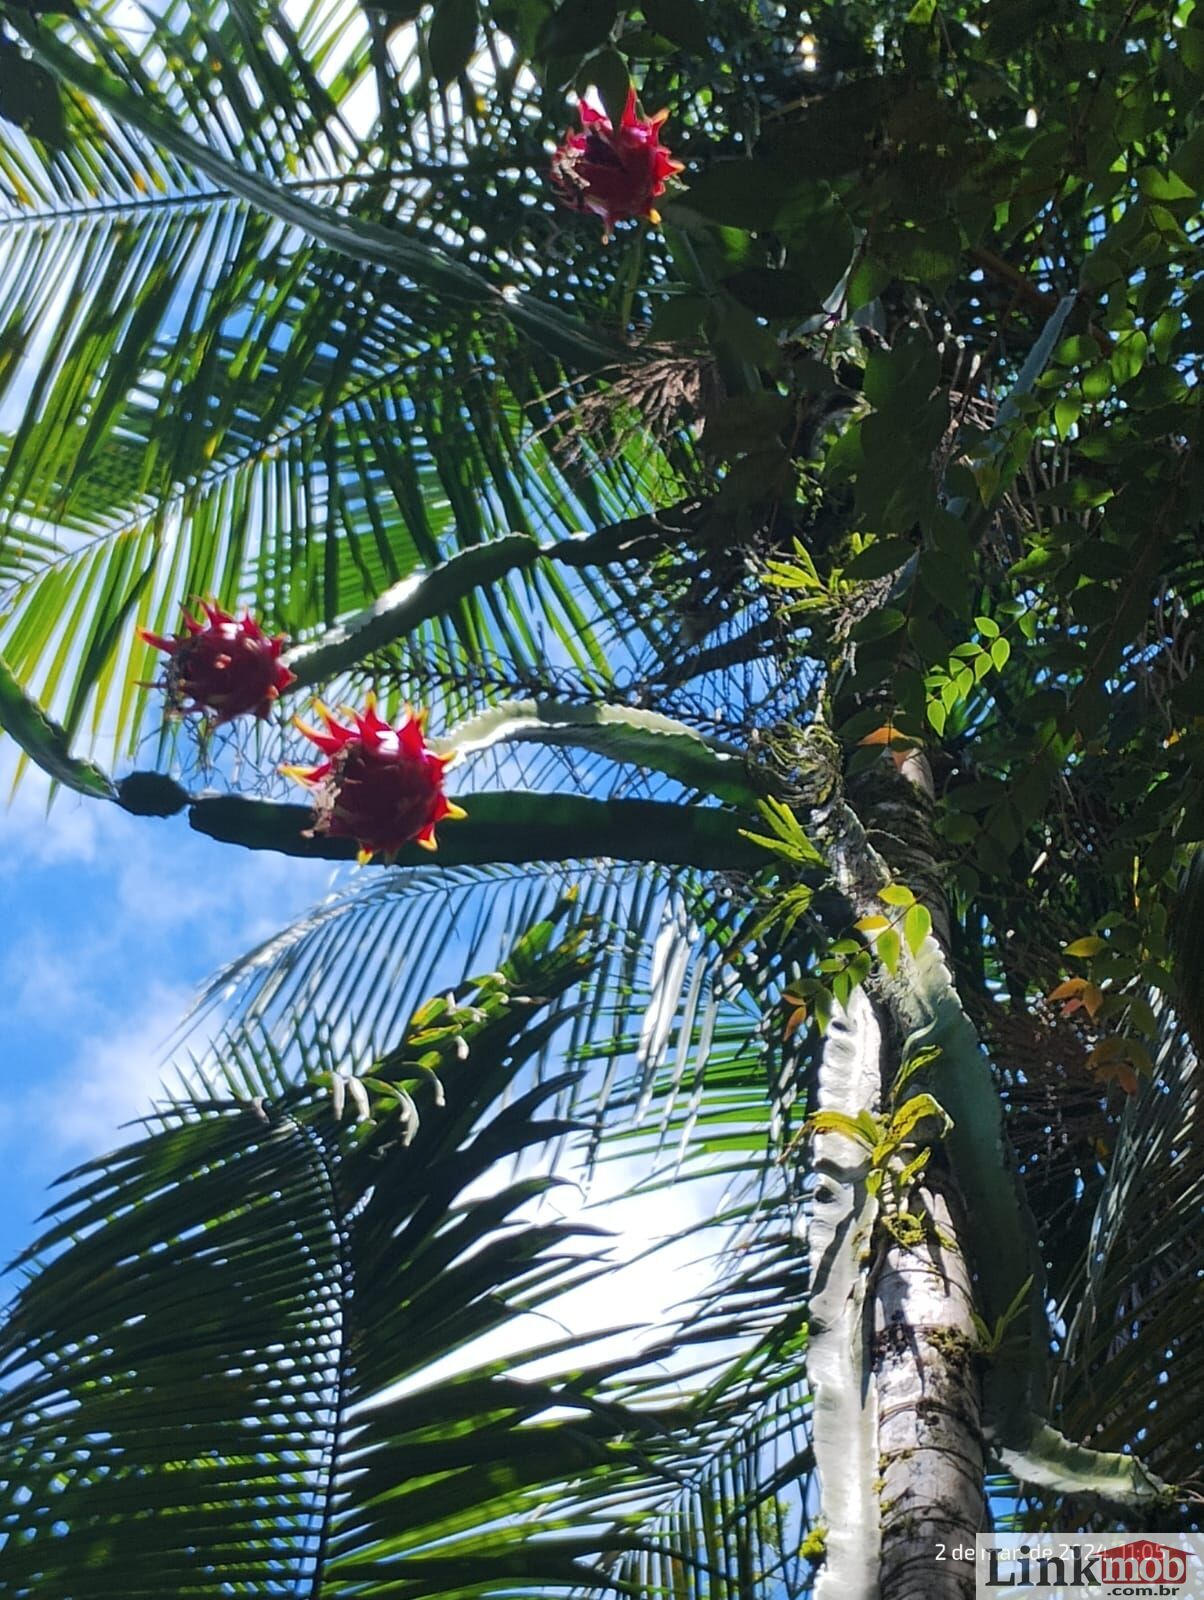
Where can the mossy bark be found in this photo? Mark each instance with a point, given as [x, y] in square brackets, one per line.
[930, 1438]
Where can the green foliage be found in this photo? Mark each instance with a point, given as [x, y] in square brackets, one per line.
[452, 39]
[1149, 1196]
[29, 98]
[363, 1255]
[990, 1339]
[896, 1157]
[246, 373]
[886, 452]
[788, 838]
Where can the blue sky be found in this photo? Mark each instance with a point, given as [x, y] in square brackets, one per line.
[111, 922]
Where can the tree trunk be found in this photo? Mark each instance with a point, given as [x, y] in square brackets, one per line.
[930, 1429]
[929, 1422]
[896, 1427]
[922, 1388]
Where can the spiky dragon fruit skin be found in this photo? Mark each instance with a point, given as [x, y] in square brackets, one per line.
[614, 173]
[222, 667]
[381, 785]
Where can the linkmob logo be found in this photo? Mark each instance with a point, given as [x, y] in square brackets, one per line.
[1083, 1566]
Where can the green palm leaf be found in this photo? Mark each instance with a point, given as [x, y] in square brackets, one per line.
[1132, 1367]
[245, 1400]
[235, 408]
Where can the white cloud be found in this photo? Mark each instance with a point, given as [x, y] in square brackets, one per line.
[113, 922]
[114, 1077]
[223, 898]
[124, 916]
[70, 830]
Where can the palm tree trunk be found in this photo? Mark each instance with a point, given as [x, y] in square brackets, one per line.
[929, 1422]
[921, 1387]
[929, 1401]
[896, 1425]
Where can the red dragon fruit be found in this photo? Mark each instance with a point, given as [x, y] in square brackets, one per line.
[222, 667]
[614, 173]
[381, 786]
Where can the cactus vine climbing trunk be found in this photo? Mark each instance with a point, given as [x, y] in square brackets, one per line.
[844, 1424]
[899, 1431]
[913, 1256]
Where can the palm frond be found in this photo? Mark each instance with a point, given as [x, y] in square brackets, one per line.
[659, 1000]
[219, 1373]
[722, 1500]
[1131, 1373]
[232, 408]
